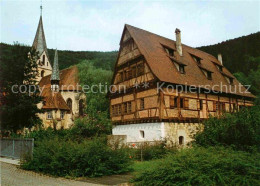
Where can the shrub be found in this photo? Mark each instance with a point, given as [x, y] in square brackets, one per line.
[202, 166]
[241, 130]
[148, 151]
[67, 158]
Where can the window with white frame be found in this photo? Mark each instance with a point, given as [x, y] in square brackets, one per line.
[49, 115]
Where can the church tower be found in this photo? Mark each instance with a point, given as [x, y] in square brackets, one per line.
[39, 43]
[55, 76]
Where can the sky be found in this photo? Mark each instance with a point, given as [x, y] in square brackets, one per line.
[81, 25]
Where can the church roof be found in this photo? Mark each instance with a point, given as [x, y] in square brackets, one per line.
[55, 71]
[53, 100]
[68, 79]
[152, 46]
[39, 42]
[68, 82]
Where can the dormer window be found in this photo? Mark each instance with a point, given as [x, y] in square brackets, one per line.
[197, 59]
[229, 80]
[181, 69]
[169, 51]
[220, 68]
[207, 73]
[209, 76]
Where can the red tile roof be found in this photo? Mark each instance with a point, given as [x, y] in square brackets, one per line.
[53, 100]
[68, 79]
[68, 82]
[151, 46]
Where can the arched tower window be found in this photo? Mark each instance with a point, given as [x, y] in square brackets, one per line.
[181, 140]
[43, 60]
[42, 73]
[81, 107]
[69, 103]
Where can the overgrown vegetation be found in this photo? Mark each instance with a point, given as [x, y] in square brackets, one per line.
[201, 166]
[215, 158]
[70, 158]
[98, 81]
[18, 93]
[240, 130]
[252, 79]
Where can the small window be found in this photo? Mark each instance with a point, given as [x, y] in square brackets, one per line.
[113, 113]
[43, 60]
[222, 107]
[47, 63]
[231, 81]
[142, 103]
[69, 103]
[118, 109]
[125, 107]
[201, 104]
[209, 76]
[81, 107]
[181, 102]
[181, 69]
[42, 73]
[142, 134]
[169, 51]
[181, 140]
[134, 71]
[172, 102]
[234, 107]
[129, 107]
[220, 68]
[140, 69]
[176, 102]
[62, 114]
[197, 59]
[49, 115]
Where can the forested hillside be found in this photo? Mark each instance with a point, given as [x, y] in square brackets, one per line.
[104, 60]
[237, 53]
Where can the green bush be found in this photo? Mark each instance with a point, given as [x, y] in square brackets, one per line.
[148, 151]
[240, 130]
[202, 166]
[67, 158]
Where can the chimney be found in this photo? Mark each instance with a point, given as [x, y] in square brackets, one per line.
[220, 59]
[178, 41]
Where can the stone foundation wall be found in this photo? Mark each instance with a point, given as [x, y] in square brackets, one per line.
[180, 133]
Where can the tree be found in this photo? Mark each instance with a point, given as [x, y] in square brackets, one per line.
[19, 94]
[240, 130]
[97, 120]
[253, 78]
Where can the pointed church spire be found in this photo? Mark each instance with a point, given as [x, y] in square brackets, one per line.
[39, 42]
[55, 71]
[55, 76]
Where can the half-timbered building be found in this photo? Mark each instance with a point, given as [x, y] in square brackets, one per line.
[163, 89]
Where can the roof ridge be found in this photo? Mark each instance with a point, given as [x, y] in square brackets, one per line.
[170, 40]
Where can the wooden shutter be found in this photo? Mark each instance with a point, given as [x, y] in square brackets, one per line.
[214, 106]
[186, 103]
[198, 104]
[171, 101]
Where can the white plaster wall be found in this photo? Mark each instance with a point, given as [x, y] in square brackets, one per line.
[152, 131]
[158, 131]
